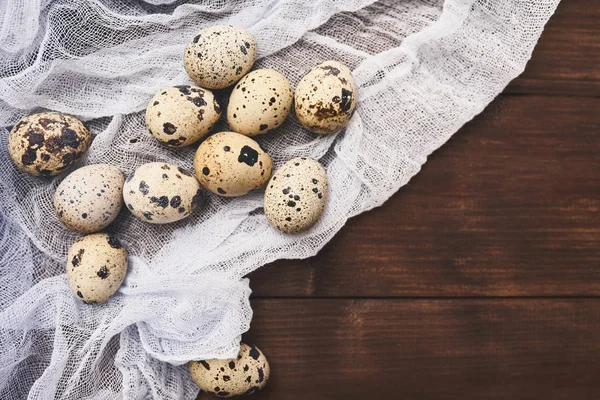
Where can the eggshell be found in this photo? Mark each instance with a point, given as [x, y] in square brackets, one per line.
[259, 102]
[230, 164]
[246, 374]
[296, 195]
[96, 267]
[182, 115]
[89, 198]
[46, 144]
[160, 193]
[326, 97]
[218, 56]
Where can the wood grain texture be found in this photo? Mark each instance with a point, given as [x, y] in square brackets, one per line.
[428, 349]
[508, 207]
[567, 58]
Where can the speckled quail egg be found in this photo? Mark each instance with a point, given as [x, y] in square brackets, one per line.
[89, 198]
[296, 195]
[230, 164]
[325, 98]
[182, 115]
[218, 56]
[160, 193]
[246, 374]
[46, 144]
[96, 267]
[259, 102]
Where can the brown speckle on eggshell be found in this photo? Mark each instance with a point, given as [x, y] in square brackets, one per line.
[296, 195]
[160, 193]
[243, 375]
[181, 115]
[96, 267]
[90, 198]
[260, 102]
[47, 143]
[219, 56]
[325, 98]
[230, 164]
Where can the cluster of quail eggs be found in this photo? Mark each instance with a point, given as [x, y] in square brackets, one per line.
[229, 164]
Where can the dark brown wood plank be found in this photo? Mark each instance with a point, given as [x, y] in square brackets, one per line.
[429, 349]
[567, 57]
[508, 207]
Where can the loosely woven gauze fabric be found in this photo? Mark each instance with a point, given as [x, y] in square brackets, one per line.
[423, 68]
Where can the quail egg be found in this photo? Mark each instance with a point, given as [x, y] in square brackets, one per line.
[259, 102]
[219, 56]
[46, 144]
[96, 267]
[160, 193]
[89, 198]
[326, 97]
[182, 115]
[246, 374]
[296, 195]
[230, 164]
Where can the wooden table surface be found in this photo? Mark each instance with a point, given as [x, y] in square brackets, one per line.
[480, 279]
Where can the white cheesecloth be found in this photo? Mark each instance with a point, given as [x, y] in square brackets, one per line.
[423, 68]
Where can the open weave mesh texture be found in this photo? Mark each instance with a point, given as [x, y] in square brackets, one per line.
[423, 68]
